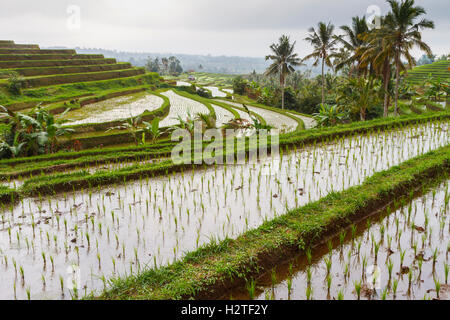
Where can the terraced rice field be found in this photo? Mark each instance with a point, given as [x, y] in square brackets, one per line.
[122, 229]
[114, 109]
[308, 121]
[51, 76]
[222, 116]
[181, 107]
[438, 69]
[216, 92]
[276, 120]
[400, 253]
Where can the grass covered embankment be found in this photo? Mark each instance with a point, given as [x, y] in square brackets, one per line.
[51, 184]
[22, 167]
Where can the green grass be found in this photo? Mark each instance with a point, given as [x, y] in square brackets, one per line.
[437, 69]
[51, 80]
[36, 51]
[55, 63]
[64, 182]
[23, 57]
[25, 166]
[209, 270]
[53, 94]
[42, 71]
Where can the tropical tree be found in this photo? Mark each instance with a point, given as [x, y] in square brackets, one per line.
[33, 133]
[152, 129]
[324, 43]
[284, 60]
[402, 33]
[377, 57]
[329, 115]
[435, 87]
[132, 125]
[359, 95]
[353, 42]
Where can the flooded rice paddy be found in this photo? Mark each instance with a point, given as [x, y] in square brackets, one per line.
[181, 107]
[216, 92]
[396, 254]
[122, 229]
[114, 109]
[274, 119]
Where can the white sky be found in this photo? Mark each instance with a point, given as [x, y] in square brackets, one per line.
[216, 27]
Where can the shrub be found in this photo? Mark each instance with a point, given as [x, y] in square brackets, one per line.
[239, 85]
[15, 84]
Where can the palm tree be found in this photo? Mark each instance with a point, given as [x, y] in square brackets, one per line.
[284, 60]
[378, 57]
[403, 33]
[352, 42]
[324, 43]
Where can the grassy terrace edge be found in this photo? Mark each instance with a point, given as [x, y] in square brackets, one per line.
[208, 272]
[305, 137]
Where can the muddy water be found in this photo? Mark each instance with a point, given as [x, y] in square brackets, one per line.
[126, 228]
[181, 107]
[114, 109]
[216, 92]
[223, 116]
[419, 230]
[276, 120]
[309, 122]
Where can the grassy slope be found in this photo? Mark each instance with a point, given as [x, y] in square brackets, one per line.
[64, 92]
[437, 69]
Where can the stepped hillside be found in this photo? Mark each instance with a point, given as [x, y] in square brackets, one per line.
[55, 75]
[438, 69]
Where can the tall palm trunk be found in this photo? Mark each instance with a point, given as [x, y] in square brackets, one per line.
[282, 82]
[397, 82]
[323, 80]
[386, 78]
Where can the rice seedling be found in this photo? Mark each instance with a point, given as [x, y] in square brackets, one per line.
[251, 286]
[437, 285]
[120, 212]
[446, 268]
[357, 286]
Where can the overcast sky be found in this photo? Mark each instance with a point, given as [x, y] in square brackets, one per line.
[216, 27]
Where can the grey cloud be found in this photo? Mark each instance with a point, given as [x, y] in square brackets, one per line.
[170, 25]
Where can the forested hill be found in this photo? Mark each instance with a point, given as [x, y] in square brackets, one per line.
[208, 63]
[213, 64]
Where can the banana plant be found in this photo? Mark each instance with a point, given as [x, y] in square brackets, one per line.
[153, 129]
[132, 124]
[329, 115]
[15, 149]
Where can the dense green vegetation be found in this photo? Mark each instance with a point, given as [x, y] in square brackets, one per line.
[368, 77]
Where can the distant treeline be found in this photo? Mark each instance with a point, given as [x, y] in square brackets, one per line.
[199, 63]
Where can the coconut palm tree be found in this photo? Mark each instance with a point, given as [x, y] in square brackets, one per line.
[402, 26]
[376, 56]
[352, 42]
[284, 60]
[324, 44]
